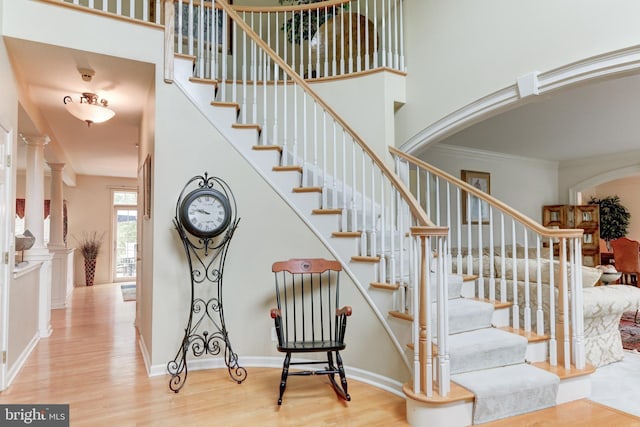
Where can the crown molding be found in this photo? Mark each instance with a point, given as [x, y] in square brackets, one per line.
[477, 154]
[609, 64]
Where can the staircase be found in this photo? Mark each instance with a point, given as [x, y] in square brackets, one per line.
[383, 236]
[491, 364]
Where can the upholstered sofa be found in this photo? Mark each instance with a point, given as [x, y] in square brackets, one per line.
[602, 305]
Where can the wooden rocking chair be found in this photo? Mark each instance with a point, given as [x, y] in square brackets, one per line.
[309, 318]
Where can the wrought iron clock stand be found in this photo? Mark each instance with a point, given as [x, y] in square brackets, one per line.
[206, 332]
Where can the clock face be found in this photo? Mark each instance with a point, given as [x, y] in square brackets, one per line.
[205, 212]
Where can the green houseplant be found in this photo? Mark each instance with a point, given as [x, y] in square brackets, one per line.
[614, 217]
[89, 245]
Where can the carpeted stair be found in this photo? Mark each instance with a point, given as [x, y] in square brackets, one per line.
[491, 363]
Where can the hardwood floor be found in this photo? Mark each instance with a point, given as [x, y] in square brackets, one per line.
[92, 362]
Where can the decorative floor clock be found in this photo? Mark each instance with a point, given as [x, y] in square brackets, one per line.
[206, 218]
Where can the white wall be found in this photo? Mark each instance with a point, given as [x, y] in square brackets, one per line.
[460, 51]
[525, 184]
[268, 231]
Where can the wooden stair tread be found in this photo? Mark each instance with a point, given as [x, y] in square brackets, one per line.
[360, 258]
[457, 393]
[184, 56]
[469, 277]
[307, 190]
[346, 234]
[564, 373]
[327, 211]
[226, 104]
[496, 304]
[203, 80]
[247, 126]
[267, 148]
[287, 169]
[530, 336]
[401, 315]
[386, 286]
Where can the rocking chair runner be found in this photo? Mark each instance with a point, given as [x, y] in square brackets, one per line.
[309, 319]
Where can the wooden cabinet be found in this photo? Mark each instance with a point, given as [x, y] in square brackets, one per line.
[586, 217]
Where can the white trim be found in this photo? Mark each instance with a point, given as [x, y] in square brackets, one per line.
[493, 156]
[145, 356]
[22, 359]
[601, 179]
[608, 64]
[275, 362]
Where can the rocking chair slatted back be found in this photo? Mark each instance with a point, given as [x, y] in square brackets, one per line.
[307, 293]
[309, 318]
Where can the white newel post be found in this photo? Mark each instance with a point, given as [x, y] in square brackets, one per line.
[62, 265]
[34, 222]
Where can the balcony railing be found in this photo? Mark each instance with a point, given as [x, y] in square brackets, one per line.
[320, 40]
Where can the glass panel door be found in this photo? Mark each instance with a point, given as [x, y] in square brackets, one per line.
[126, 219]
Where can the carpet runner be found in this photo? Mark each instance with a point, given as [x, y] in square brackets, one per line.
[491, 363]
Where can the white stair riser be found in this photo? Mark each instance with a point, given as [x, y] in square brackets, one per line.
[501, 317]
[573, 389]
[537, 351]
[365, 271]
[325, 224]
[438, 415]
[305, 202]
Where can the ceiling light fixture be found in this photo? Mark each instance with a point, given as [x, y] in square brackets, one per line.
[89, 109]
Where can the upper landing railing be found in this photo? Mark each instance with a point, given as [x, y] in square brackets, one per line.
[319, 40]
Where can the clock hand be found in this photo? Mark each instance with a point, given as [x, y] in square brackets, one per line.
[203, 211]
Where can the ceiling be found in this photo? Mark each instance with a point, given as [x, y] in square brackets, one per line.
[48, 73]
[591, 120]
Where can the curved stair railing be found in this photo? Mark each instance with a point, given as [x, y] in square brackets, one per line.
[515, 259]
[351, 179]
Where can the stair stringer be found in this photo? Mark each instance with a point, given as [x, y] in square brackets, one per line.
[243, 142]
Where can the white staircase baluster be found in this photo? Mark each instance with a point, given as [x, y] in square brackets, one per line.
[553, 343]
[527, 290]
[539, 311]
[491, 255]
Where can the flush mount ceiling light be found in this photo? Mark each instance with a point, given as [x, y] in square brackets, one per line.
[89, 109]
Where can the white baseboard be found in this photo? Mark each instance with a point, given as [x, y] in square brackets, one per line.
[22, 358]
[357, 374]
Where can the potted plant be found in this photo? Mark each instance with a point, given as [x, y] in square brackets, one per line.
[614, 218]
[89, 246]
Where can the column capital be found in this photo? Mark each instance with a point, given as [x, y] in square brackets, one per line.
[35, 139]
[56, 166]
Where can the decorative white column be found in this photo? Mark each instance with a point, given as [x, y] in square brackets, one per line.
[34, 222]
[62, 264]
[34, 197]
[56, 239]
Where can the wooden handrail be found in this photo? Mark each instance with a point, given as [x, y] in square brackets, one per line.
[525, 220]
[414, 206]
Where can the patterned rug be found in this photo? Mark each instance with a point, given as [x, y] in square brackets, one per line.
[630, 331]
